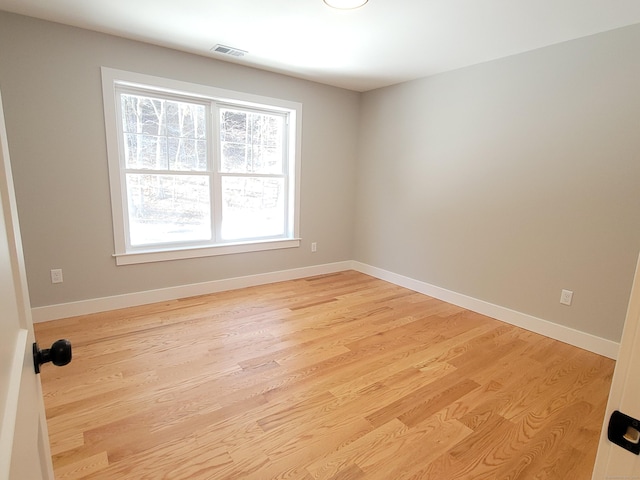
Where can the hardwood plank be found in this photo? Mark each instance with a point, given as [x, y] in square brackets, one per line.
[338, 376]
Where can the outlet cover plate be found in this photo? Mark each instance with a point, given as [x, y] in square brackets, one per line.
[566, 297]
[56, 275]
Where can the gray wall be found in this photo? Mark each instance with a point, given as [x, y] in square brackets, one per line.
[506, 181]
[51, 87]
[511, 180]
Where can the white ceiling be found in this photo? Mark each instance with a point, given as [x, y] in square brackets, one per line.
[382, 43]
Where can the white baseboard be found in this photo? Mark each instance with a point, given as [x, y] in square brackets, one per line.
[86, 307]
[564, 334]
[583, 340]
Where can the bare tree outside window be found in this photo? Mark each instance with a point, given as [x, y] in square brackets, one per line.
[196, 170]
[163, 140]
[253, 173]
[170, 172]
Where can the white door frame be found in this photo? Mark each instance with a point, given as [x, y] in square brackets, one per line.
[612, 461]
[25, 453]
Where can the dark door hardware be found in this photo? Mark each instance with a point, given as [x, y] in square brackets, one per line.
[59, 354]
[624, 431]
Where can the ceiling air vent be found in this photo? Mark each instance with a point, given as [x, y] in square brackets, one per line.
[234, 52]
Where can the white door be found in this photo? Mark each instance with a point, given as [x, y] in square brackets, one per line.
[613, 461]
[24, 441]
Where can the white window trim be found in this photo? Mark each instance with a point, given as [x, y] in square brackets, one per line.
[111, 77]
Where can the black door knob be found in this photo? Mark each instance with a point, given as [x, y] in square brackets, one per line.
[59, 354]
[624, 431]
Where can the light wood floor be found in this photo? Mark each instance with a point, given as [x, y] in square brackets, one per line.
[341, 376]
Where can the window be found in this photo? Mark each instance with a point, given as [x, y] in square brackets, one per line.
[197, 171]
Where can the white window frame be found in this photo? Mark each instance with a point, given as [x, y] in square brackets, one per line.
[125, 254]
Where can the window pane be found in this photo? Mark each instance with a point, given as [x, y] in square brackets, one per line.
[252, 207]
[163, 134]
[143, 114]
[145, 152]
[234, 157]
[187, 155]
[168, 208]
[233, 126]
[251, 142]
[186, 120]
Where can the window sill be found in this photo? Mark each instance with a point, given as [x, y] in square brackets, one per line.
[197, 252]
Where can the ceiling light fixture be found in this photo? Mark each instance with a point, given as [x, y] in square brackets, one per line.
[345, 4]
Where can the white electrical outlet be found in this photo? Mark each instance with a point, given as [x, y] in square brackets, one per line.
[56, 275]
[565, 297]
[314, 247]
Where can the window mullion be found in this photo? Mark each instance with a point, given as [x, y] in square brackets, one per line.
[287, 172]
[216, 181]
[252, 175]
[149, 171]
